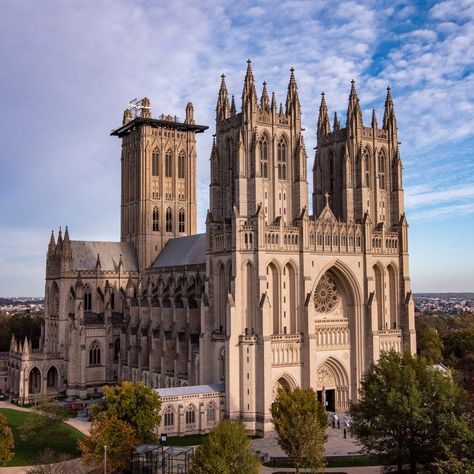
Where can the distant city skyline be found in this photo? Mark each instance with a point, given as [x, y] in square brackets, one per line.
[69, 73]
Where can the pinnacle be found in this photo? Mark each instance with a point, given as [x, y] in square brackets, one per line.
[292, 75]
[374, 119]
[323, 99]
[249, 67]
[353, 89]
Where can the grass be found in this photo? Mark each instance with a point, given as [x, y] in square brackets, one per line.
[334, 461]
[26, 453]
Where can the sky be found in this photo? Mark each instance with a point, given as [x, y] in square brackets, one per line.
[68, 70]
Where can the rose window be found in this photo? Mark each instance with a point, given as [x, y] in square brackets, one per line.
[326, 295]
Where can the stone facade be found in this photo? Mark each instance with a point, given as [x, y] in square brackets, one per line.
[270, 296]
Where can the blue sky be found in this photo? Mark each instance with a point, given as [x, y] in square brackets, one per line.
[70, 68]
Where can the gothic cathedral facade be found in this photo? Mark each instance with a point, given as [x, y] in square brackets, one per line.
[270, 296]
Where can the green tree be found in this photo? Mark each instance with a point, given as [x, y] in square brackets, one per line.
[405, 412]
[46, 420]
[7, 444]
[458, 454]
[119, 437]
[136, 404]
[301, 422]
[430, 345]
[226, 450]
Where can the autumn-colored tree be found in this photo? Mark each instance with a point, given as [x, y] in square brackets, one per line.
[300, 421]
[119, 437]
[7, 444]
[226, 450]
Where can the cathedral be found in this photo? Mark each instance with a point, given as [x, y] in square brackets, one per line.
[270, 296]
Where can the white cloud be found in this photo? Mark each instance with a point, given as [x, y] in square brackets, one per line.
[71, 71]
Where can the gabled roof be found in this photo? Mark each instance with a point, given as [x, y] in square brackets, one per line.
[180, 251]
[190, 390]
[84, 255]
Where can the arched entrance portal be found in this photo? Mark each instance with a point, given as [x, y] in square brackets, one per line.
[333, 385]
[34, 385]
[339, 336]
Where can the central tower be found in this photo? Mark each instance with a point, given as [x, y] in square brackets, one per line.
[158, 199]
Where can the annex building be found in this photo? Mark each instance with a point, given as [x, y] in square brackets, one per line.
[270, 296]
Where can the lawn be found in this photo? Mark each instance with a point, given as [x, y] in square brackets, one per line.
[27, 453]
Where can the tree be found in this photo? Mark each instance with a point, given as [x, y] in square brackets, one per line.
[430, 345]
[7, 444]
[45, 421]
[406, 412]
[301, 422]
[226, 450]
[458, 454]
[136, 404]
[119, 437]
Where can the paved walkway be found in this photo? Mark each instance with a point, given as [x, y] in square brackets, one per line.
[335, 446]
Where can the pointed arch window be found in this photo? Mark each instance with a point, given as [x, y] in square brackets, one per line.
[281, 158]
[381, 164]
[94, 353]
[155, 163]
[190, 415]
[156, 219]
[264, 158]
[181, 165]
[169, 416]
[366, 171]
[169, 220]
[211, 412]
[87, 300]
[181, 220]
[169, 164]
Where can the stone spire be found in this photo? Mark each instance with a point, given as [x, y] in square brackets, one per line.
[281, 108]
[354, 114]
[222, 107]
[336, 125]
[67, 249]
[265, 100]
[324, 126]
[52, 244]
[273, 105]
[249, 94]
[59, 243]
[232, 107]
[389, 112]
[374, 119]
[292, 99]
[66, 236]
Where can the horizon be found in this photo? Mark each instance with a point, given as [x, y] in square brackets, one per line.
[71, 72]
